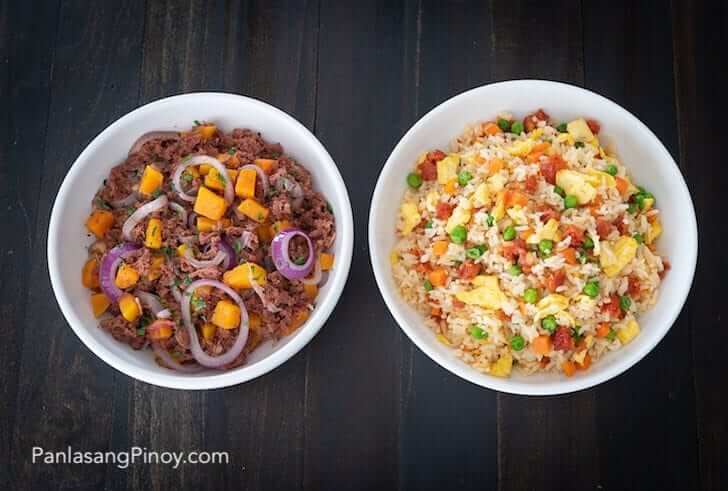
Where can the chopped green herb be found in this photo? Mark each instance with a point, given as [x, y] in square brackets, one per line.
[612, 334]
[329, 207]
[545, 247]
[575, 333]
[187, 281]
[197, 303]
[464, 178]
[197, 123]
[300, 261]
[632, 208]
[639, 238]
[221, 178]
[561, 128]
[260, 217]
[490, 220]
[157, 192]
[560, 191]
[625, 302]
[102, 203]
[130, 210]
[237, 246]
[187, 177]
[141, 331]
[504, 124]
[168, 251]
[427, 285]
[579, 144]
[588, 243]
[232, 151]
[581, 257]
[428, 224]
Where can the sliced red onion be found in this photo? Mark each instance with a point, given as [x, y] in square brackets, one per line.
[219, 257]
[107, 271]
[192, 220]
[152, 135]
[315, 278]
[140, 214]
[230, 256]
[261, 175]
[150, 301]
[124, 202]
[260, 291]
[170, 362]
[198, 160]
[164, 314]
[197, 351]
[294, 190]
[180, 210]
[176, 294]
[282, 259]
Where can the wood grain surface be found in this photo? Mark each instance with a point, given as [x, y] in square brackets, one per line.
[360, 407]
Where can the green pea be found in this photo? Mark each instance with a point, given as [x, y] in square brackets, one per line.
[549, 323]
[464, 177]
[530, 295]
[560, 191]
[518, 343]
[459, 234]
[625, 302]
[514, 270]
[414, 180]
[639, 238]
[545, 246]
[476, 252]
[570, 201]
[517, 128]
[477, 332]
[561, 128]
[509, 233]
[427, 286]
[490, 220]
[588, 243]
[504, 124]
[632, 208]
[591, 289]
[612, 170]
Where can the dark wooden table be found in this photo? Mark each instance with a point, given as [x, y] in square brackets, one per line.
[360, 407]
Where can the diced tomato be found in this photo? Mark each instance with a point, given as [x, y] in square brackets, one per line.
[555, 280]
[531, 184]
[576, 234]
[612, 308]
[634, 287]
[550, 167]
[563, 340]
[468, 270]
[526, 261]
[593, 126]
[530, 121]
[457, 303]
[569, 255]
[604, 228]
[621, 226]
[545, 360]
[502, 315]
[443, 211]
[436, 155]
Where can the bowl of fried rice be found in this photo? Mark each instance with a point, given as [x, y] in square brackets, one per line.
[533, 237]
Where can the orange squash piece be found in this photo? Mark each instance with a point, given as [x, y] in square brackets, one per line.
[99, 222]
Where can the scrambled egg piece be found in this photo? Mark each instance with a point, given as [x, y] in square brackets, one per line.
[549, 231]
[431, 200]
[447, 168]
[565, 138]
[496, 182]
[598, 178]
[580, 130]
[653, 232]
[518, 215]
[410, 217]
[536, 134]
[487, 293]
[565, 319]
[481, 196]
[579, 357]
[616, 255]
[551, 305]
[628, 331]
[521, 148]
[499, 210]
[502, 367]
[460, 215]
[393, 258]
[576, 183]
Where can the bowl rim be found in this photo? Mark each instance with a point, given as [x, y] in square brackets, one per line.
[172, 380]
[464, 371]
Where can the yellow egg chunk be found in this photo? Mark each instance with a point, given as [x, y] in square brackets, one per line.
[487, 293]
[549, 232]
[447, 169]
[653, 232]
[575, 183]
[209, 204]
[615, 256]
[580, 131]
[499, 210]
[410, 217]
[460, 215]
[226, 315]
[628, 331]
[502, 367]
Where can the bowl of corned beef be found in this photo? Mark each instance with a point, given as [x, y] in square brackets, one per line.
[200, 241]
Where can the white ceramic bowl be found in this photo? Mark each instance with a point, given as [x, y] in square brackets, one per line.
[639, 149]
[67, 236]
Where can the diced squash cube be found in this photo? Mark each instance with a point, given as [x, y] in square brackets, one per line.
[99, 222]
[310, 290]
[204, 169]
[253, 210]
[208, 331]
[90, 273]
[628, 332]
[151, 180]
[204, 224]
[279, 226]
[226, 315]
[209, 204]
[266, 164]
[181, 249]
[254, 322]
[245, 185]
[230, 160]
[130, 308]
[326, 261]
[265, 233]
[215, 180]
[99, 303]
[160, 329]
[155, 267]
[297, 321]
[126, 276]
[240, 276]
[153, 236]
[206, 131]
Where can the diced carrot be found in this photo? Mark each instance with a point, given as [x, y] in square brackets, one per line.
[90, 274]
[439, 247]
[515, 198]
[265, 233]
[569, 255]
[491, 128]
[522, 307]
[622, 184]
[438, 277]
[99, 222]
[451, 187]
[537, 151]
[584, 365]
[603, 329]
[435, 311]
[495, 165]
[525, 234]
[542, 345]
[569, 368]
[99, 303]
[326, 261]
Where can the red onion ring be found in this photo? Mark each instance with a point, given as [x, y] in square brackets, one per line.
[164, 314]
[291, 187]
[197, 351]
[107, 271]
[174, 364]
[261, 175]
[260, 291]
[198, 160]
[282, 259]
[180, 210]
[140, 214]
[192, 220]
[176, 294]
[150, 301]
[124, 202]
[152, 135]
[315, 278]
[231, 258]
[219, 257]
